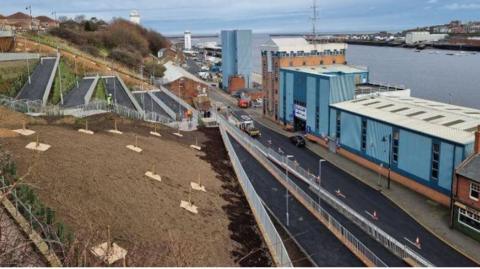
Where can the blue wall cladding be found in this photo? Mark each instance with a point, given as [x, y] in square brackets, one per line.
[311, 103]
[289, 83]
[342, 88]
[468, 150]
[415, 154]
[376, 148]
[281, 94]
[350, 130]
[244, 54]
[228, 56]
[333, 117]
[324, 96]
[300, 87]
[446, 166]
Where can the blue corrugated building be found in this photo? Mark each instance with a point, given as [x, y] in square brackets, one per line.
[305, 94]
[413, 141]
[236, 55]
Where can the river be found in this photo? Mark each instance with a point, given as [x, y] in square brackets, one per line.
[430, 74]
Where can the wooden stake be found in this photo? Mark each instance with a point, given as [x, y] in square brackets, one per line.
[38, 142]
[190, 196]
[24, 126]
[155, 127]
[136, 141]
[108, 241]
[116, 125]
[199, 181]
[86, 125]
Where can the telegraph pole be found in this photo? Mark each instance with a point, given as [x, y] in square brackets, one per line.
[314, 19]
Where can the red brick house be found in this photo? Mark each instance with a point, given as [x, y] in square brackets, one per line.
[465, 209]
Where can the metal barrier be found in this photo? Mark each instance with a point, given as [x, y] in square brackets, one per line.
[397, 248]
[273, 239]
[48, 235]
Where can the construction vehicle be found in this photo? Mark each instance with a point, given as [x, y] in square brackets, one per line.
[244, 122]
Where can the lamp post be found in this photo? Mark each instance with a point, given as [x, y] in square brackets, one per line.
[320, 162]
[76, 71]
[389, 140]
[286, 178]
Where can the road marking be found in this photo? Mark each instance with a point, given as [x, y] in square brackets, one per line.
[373, 216]
[340, 194]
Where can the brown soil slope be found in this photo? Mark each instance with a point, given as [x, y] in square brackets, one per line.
[94, 181]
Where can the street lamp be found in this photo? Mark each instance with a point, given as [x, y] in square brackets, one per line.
[75, 60]
[286, 188]
[389, 140]
[320, 162]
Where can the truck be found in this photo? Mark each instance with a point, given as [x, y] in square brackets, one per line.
[244, 122]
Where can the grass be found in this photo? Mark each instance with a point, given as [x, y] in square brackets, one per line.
[13, 75]
[100, 91]
[68, 81]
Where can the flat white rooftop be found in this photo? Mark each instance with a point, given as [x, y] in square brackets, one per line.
[328, 69]
[452, 123]
[295, 44]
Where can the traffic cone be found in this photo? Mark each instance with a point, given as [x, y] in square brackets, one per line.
[375, 216]
[417, 243]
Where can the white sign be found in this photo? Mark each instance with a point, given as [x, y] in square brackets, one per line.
[301, 112]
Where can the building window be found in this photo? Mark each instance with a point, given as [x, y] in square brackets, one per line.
[304, 63]
[334, 61]
[321, 62]
[339, 125]
[474, 191]
[468, 218]
[364, 134]
[435, 160]
[395, 145]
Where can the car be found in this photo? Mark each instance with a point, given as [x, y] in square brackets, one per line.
[298, 141]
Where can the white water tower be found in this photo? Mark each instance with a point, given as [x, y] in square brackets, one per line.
[135, 16]
[188, 40]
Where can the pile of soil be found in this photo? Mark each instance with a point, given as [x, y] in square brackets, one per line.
[94, 182]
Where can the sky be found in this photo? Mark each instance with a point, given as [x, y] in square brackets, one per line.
[172, 17]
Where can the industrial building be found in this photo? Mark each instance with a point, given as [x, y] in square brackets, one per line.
[292, 52]
[415, 142]
[465, 210]
[417, 37]
[236, 55]
[306, 93]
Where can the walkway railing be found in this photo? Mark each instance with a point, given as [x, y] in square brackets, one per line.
[397, 248]
[273, 239]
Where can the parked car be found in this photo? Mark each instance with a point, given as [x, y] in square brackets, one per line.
[298, 141]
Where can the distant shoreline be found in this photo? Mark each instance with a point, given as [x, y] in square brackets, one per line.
[426, 46]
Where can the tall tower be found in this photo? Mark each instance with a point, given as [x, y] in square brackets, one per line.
[135, 16]
[188, 40]
[314, 19]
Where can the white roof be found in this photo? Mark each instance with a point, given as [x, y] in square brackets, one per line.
[452, 123]
[325, 69]
[288, 44]
[174, 72]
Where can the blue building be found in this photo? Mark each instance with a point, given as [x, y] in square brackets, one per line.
[420, 142]
[415, 142]
[305, 94]
[236, 55]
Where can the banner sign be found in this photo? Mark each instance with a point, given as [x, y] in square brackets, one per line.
[301, 112]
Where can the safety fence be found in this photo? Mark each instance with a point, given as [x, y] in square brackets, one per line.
[273, 239]
[95, 107]
[47, 233]
[397, 248]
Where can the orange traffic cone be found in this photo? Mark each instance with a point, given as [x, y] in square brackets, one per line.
[375, 216]
[417, 243]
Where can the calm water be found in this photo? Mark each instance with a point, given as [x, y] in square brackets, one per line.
[439, 77]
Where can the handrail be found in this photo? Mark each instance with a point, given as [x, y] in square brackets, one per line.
[371, 229]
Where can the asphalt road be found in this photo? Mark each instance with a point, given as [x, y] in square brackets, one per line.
[362, 198]
[319, 243]
[76, 96]
[149, 105]
[39, 78]
[171, 103]
[119, 94]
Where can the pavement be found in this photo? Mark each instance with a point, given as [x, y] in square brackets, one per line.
[364, 197]
[171, 103]
[76, 96]
[322, 247]
[39, 80]
[119, 94]
[149, 105]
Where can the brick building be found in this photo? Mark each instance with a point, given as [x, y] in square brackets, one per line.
[465, 209]
[292, 52]
[23, 22]
[180, 81]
